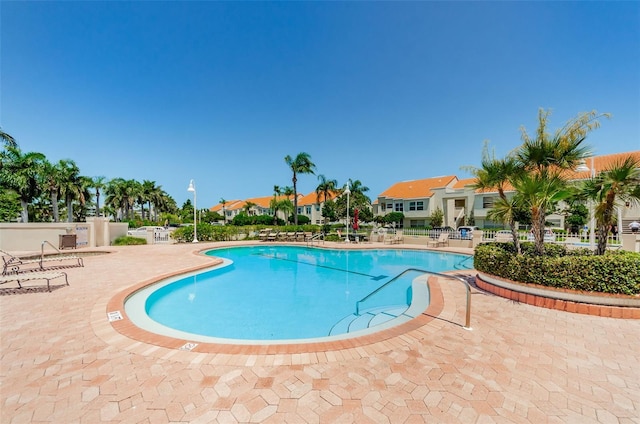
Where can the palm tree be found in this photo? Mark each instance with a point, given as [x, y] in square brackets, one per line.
[325, 188]
[121, 196]
[99, 184]
[71, 185]
[494, 174]
[300, 165]
[7, 139]
[273, 205]
[51, 178]
[288, 191]
[224, 215]
[548, 157]
[146, 194]
[247, 207]
[154, 197]
[20, 172]
[619, 183]
[356, 187]
[540, 194]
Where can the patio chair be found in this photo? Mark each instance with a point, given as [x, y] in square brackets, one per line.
[21, 277]
[12, 264]
[443, 240]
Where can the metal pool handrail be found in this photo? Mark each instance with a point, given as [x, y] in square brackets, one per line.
[462, 280]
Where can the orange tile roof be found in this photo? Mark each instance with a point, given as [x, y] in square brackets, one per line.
[312, 198]
[601, 163]
[416, 189]
[460, 184]
[227, 205]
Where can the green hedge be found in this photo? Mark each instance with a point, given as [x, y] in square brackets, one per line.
[614, 272]
[129, 241]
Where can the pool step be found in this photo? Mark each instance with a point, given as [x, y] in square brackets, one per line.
[367, 319]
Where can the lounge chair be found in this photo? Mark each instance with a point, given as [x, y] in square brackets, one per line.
[263, 234]
[398, 237]
[272, 236]
[290, 236]
[443, 240]
[300, 236]
[21, 277]
[14, 264]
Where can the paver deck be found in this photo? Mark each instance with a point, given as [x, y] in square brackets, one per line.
[63, 362]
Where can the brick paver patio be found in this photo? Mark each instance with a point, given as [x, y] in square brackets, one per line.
[63, 362]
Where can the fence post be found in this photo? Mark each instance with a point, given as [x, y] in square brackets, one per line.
[477, 237]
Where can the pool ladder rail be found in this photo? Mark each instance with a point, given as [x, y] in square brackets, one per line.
[377, 316]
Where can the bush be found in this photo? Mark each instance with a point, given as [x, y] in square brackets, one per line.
[129, 241]
[613, 272]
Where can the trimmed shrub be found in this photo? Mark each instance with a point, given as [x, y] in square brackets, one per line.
[129, 241]
[613, 272]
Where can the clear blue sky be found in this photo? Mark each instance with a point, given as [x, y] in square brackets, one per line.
[378, 91]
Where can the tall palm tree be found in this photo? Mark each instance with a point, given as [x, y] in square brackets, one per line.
[356, 187]
[51, 178]
[325, 188]
[273, 204]
[145, 195]
[548, 157]
[618, 183]
[20, 172]
[154, 198]
[119, 196]
[98, 183]
[300, 165]
[71, 185]
[224, 215]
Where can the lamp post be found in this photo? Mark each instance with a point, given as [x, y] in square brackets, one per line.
[583, 168]
[347, 192]
[192, 188]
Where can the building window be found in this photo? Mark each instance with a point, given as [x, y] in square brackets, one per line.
[383, 207]
[399, 207]
[487, 202]
[417, 223]
[420, 206]
[308, 210]
[317, 207]
[459, 203]
[390, 206]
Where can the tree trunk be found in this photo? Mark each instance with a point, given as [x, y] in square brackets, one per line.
[54, 207]
[295, 200]
[24, 215]
[69, 210]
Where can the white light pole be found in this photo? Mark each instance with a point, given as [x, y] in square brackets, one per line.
[592, 239]
[347, 192]
[192, 188]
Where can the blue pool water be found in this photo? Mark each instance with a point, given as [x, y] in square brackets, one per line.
[289, 292]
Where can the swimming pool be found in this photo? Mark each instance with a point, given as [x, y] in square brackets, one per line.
[283, 293]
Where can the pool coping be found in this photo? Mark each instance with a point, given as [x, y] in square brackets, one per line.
[112, 324]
